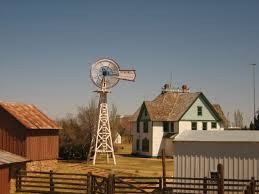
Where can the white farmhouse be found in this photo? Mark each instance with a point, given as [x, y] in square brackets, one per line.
[169, 114]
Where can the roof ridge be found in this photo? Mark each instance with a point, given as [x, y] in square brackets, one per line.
[29, 116]
[15, 103]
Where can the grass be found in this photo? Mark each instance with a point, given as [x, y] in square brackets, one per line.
[127, 165]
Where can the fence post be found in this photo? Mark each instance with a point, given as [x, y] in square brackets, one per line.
[18, 181]
[164, 168]
[51, 183]
[205, 185]
[160, 183]
[246, 190]
[111, 185]
[220, 170]
[252, 185]
[89, 183]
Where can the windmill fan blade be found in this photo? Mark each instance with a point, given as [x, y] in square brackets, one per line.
[128, 75]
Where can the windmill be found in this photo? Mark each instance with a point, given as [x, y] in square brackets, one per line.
[105, 74]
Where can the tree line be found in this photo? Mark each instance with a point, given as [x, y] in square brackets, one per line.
[238, 121]
[77, 130]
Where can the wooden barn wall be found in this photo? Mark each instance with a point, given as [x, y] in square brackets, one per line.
[12, 134]
[4, 180]
[42, 144]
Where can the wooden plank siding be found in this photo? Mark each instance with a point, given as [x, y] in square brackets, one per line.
[4, 180]
[42, 144]
[12, 134]
[34, 144]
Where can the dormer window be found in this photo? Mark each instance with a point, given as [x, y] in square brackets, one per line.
[199, 110]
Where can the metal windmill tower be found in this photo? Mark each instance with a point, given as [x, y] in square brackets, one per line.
[105, 74]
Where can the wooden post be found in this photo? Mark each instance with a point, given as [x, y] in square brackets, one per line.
[110, 184]
[220, 170]
[51, 183]
[160, 184]
[89, 183]
[205, 185]
[164, 168]
[18, 181]
[248, 189]
[252, 185]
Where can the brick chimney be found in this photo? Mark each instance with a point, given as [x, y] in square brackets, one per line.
[185, 89]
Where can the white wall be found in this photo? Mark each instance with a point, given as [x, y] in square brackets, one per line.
[157, 136]
[185, 126]
[197, 159]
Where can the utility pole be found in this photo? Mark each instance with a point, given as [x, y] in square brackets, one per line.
[253, 65]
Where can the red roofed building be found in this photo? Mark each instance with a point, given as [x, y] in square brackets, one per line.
[26, 131]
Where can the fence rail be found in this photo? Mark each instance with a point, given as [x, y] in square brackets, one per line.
[75, 183]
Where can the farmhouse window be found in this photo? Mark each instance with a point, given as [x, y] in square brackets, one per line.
[213, 125]
[137, 127]
[145, 145]
[204, 126]
[145, 112]
[137, 144]
[172, 126]
[166, 126]
[199, 110]
[145, 127]
[194, 125]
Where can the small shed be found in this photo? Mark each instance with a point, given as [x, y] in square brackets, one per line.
[117, 138]
[197, 153]
[26, 131]
[8, 162]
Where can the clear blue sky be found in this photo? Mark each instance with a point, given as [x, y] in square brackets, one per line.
[47, 47]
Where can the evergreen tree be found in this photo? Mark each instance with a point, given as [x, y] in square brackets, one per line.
[251, 127]
[257, 121]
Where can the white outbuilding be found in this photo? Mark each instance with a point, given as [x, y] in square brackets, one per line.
[197, 153]
[117, 138]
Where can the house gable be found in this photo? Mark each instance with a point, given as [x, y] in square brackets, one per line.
[208, 113]
[143, 114]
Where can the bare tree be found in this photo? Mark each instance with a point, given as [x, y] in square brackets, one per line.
[75, 138]
[114, 121]
[238, 119]
[77, 133]
[256, 124]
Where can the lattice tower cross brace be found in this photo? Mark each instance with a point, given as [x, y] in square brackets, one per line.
[103, 141]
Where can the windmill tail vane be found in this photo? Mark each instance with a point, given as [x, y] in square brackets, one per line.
[105, 74]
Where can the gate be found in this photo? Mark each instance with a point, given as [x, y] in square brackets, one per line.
[99, 185]
[137, 184]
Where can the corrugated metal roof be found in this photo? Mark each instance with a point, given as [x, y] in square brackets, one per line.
[29, 116]
[218, 136]
[9, 158]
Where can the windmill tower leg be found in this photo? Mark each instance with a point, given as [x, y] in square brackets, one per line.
[103, 142]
